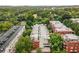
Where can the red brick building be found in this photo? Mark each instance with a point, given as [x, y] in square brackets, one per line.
[71, 42]
[35, 44]
[60, 28]
[40, 37]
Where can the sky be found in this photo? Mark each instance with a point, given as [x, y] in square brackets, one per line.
[38, 2]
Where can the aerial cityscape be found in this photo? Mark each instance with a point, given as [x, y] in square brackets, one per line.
[39, 29]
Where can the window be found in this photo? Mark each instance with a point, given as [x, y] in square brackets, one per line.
[75, 50]
[71, 44]
[71, 48]
[76, 44]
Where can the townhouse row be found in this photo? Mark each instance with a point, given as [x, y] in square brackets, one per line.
[70, 40]
[40, 37]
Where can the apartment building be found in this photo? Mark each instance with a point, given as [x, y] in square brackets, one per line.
[9, 39]
[35, 36]
[60, 28]
[44, 37]
[71, 42]
[40, 37]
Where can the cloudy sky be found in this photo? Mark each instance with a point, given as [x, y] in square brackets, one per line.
[39, 2]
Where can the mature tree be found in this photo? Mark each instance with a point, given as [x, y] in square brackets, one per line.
[45, 20]
[4, 26]
[66, 16]
[56, 42]
[27, 32]
[73, 26]
[24, 45]
[30, 20]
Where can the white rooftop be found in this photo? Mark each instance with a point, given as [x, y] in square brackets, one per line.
[70, 37]
[60, 27]
[63, 29]
[43, 31]
[34, 34]
[40, 32]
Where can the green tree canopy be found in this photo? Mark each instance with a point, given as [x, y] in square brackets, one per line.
[24, 45]
[56, 42]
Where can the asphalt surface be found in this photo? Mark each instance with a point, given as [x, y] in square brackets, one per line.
[8, 37]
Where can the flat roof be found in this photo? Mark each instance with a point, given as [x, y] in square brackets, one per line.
[63, 30]
[34, 33]
[39, 30]
[60, 27]
[70, 37]
[42, 35]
